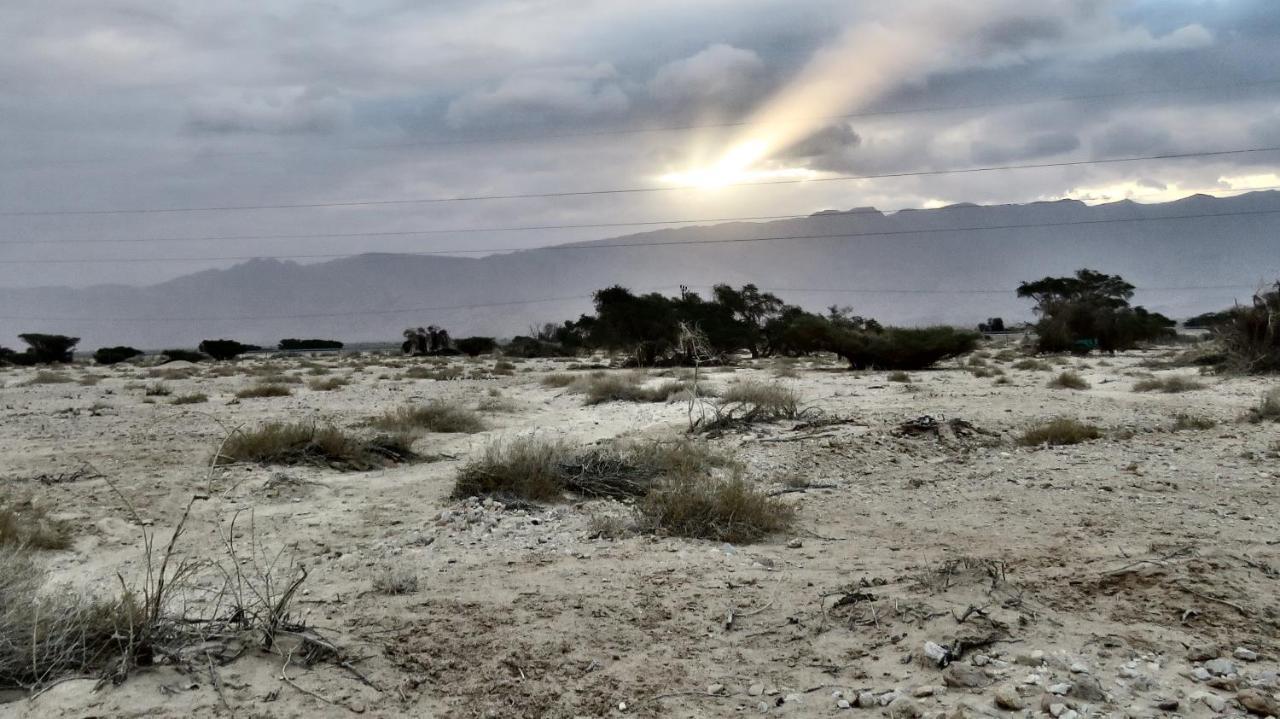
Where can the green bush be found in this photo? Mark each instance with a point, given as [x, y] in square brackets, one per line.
[476, 346]
[115, 355]
[1250, 336]
[179, 355]
[311, 345]
[225, 349]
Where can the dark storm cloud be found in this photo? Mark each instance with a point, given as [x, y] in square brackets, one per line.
[129, 103]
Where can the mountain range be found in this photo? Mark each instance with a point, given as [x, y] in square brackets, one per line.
[958, 264]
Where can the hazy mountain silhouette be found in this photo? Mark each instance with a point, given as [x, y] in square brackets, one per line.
[918, 250]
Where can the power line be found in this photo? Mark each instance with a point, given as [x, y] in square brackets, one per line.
[632, 190]
[509, 139]
[655, 243]
[483, 305]
[522, 228]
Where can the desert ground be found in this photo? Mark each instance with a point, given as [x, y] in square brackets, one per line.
[1137, 574]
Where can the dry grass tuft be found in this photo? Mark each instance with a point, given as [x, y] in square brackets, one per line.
[1268, 408]
[328, 384]
[769, 400]
[1192, 422]
[527, 467]
[1168, 385]
[1059, 432]
[1068, 380]
[196, 398]
[723, 510]
[1034, 365]
[157, 389]
[395, 581]
[435, 416]
[259, 391]
[559, 380]
[28, 526]
[310, 444]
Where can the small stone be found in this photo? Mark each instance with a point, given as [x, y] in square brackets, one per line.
[865, 700]
[1213, 701]
[844, 704]
[1229, 684]
[1007, 697]
[1060, 688]
[980, 660]
[1167, 705]
[1201, 674]
[1088, 688]
[762, 707]
[1078, 668]
[755, 690]
[795, 543]
[1128, 672]
[965, 676]
[1203, 652]
[1245, 654]
[921, 692]
[905, 708]
[792, 698]
[1221, 666]
[1057, 709]
[1033, 659]
[887, 698]
[715, 689]
[1032, 679]
[1257, 702]
[1070, 714]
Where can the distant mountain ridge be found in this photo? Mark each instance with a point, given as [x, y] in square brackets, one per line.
[958, 264]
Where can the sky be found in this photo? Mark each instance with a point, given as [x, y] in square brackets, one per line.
[109, 105]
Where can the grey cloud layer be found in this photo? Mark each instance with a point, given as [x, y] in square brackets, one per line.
[133, 103]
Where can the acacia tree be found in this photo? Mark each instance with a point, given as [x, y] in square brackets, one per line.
[753, 309]
[46, 349]
[1090, 310]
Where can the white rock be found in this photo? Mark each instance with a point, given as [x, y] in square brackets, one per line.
[1245, 655]
[1069, 714]
[755, 690]
[1060, 689]
[980, 660]
[866, 700]
[843, 704]
[1078, 668]
[1057, 709]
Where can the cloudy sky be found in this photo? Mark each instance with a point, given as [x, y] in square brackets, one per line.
[153, 105]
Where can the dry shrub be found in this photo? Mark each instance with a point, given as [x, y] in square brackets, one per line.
[47, 377]
[259, 391]
[503, 367]
[280, 378]
[196, 398]
[1192, 422]
[1250, 336]
[899, 376]
[1058, 432]
[1003, 380]
[50, 633]
[559, 380]
[497, 405]
[435, 416]
[771, 400]
[628, 387]
[526, 467]
[1068, 380]
[311, 444]
[441, 374]
[157, 389]
[173, 373]
[89, 380]
[395, 581]
[1268, 408]
[27, 525]
[328, 384]
[723, 510]
[1034, 365]
[1168, 385]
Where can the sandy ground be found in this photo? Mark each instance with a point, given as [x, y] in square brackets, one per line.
[1094, 569]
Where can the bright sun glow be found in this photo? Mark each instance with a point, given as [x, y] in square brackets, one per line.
[738, 166]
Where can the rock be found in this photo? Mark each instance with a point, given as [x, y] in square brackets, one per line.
[1006, 697]
[1048, 700]
[887, 698]
[865, 700]
[792, 698]
[1167, 705]
[716, 689]
[1032, 679]
[1127, 672]
[921, 692]
[1220, 666]
[795, 543]
[1033, 659]
[938, 653]
[965, 676]
[905, 708]
[1228, 684]
[1201, 674]
[980, 660]
[1245, 654]
[1057, 709]
[755, 690]
[1070, 714]
[1078, 668]
[1060, 689]
[844, 704]
[1258, 702]
[1088, 688]
[1213, 701]
[1202, 652]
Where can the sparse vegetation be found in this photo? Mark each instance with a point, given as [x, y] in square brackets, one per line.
[559, 379]
[1267, 409]
[1034, 365]
[527, 467]
[312, 444]
[1058, 432]
[395, 581]
[763, 400]
[435, 416]
[46, 377]
[1168, 385]
[1069, 380]
[259, 391]
[157, 389]
[24, 524]
[328, 384]
[1192, 422]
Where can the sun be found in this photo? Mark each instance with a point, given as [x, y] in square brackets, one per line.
[740, 165]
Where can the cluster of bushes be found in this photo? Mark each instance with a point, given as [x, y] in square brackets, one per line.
[296, 344]
[1250, 336]
[1089, 311]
